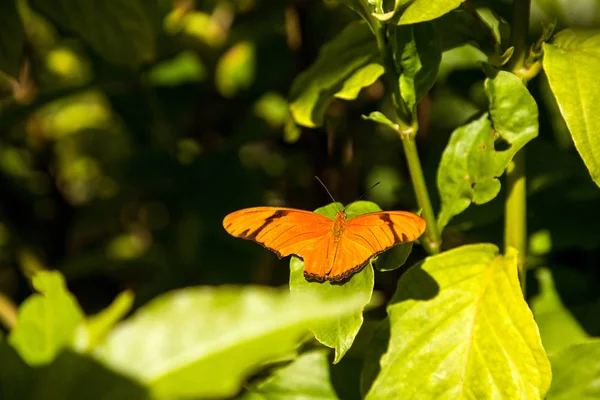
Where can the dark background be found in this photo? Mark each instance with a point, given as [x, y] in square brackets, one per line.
[119, 175]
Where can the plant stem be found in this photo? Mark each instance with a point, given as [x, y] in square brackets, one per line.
[515, 210]
[407, 130]
[515, 228]
[432, 238]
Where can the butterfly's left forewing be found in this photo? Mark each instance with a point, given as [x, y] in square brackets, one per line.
[282, 230]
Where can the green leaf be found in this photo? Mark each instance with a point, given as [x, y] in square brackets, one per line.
[120, 30]
[95, 329]
[417, 54]
[363, 77]
[576, 371]
[380, 118]
[306, 378]
[184, 68]
[418, 11]
[47, 321]
[349, 56]
[572, 64]
[236, 69]
[339, 333]
[204, 341]
[12, 38]
[558, 328]
[394, 258]
[470, 165]
[461, 317]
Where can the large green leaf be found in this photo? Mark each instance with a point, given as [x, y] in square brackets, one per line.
[461, 317]
[417, 55]
[305, 378]
[572, 64]
[47, 321]
[119, 30]
[12, 38]
[470, 165]
[340, 333]
[351, 55]
[558, 328]
[418, 10]
[203, 342]
[576, 371]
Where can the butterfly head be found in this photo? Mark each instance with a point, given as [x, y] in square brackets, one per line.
[341, 215]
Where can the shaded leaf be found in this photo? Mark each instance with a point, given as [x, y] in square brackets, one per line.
[378, 347]
[307, 377]
[104, 25]
[339, 333]
[394, 258]
[470, 165]
[473, 334]
[417, 55]
[558, 328]
[12, 38]
[47, 320]
[205, 341]
[576, 371]
[75, 376]
[572, 65]
[349, 56]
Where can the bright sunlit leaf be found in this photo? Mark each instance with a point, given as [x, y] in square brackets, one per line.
[572, 65]
[205, 341]
[478, 153]
[461, 317]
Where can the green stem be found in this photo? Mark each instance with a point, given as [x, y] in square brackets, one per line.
[515, 228]
[515, 210]
[407, 129]
[432, 240]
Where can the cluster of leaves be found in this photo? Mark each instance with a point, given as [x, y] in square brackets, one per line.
[99, 146]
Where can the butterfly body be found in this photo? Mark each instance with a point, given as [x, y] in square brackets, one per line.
[332, 250]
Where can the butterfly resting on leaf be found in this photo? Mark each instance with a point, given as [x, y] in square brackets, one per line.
[332, 250]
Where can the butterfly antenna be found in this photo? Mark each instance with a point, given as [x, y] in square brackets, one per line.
[362, 195]
[325, 187]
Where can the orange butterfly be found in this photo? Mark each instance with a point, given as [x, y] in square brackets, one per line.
[331, 249]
